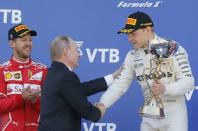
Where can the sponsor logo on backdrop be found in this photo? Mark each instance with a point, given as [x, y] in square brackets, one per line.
[139, 4]
[99, 127]
[105, 55]
[190, 93]
[13, 16]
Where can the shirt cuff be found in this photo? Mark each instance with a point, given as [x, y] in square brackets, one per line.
[109, 79]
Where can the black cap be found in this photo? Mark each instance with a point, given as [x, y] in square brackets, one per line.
[136, 21]
[20, 30]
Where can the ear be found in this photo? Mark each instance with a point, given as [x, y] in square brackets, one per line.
[65, 51]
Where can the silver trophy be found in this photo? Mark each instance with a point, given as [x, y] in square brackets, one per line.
[153, 106]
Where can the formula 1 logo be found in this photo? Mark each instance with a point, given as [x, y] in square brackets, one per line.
[190, 93]
[104, 55]
[142, 4]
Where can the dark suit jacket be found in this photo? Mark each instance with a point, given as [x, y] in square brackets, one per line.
[64, 100]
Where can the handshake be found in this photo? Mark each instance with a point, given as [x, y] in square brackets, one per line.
[28, 94]
[101, 107]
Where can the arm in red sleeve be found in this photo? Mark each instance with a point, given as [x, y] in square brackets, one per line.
[9, 103]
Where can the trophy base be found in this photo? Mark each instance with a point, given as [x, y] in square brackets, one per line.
[152, 112]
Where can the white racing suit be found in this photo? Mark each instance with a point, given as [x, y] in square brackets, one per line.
[178, 80]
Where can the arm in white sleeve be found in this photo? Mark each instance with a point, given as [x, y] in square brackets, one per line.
[120, 84]
[109, 79]
[184, 78]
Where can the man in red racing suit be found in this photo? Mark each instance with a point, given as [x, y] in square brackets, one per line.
[20, 84]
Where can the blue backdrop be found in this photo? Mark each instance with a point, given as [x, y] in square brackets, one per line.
[93, 24]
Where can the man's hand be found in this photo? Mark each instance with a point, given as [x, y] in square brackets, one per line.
[27, 94]
[117, 72]
[157, 88]
[101, 107]
[32, 97]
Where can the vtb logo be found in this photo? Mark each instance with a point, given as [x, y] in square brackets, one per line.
[99, 127]
[103, 54]
[11, 15]
[190, 93]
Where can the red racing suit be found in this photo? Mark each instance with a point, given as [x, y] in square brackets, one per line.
[17, 114]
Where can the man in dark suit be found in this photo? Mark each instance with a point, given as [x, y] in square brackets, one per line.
[63, 98]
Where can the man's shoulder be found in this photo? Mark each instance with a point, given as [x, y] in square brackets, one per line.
[71, 75]
[64, 73]
[39, 65]
[168, 40]
[5, 64]
[174, 46]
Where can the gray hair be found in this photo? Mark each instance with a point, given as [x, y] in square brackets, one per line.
[57, 46]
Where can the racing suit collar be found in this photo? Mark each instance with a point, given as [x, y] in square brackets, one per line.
[156, 40]
[20, 64]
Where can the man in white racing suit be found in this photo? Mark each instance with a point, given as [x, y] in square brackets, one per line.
[176, 80]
